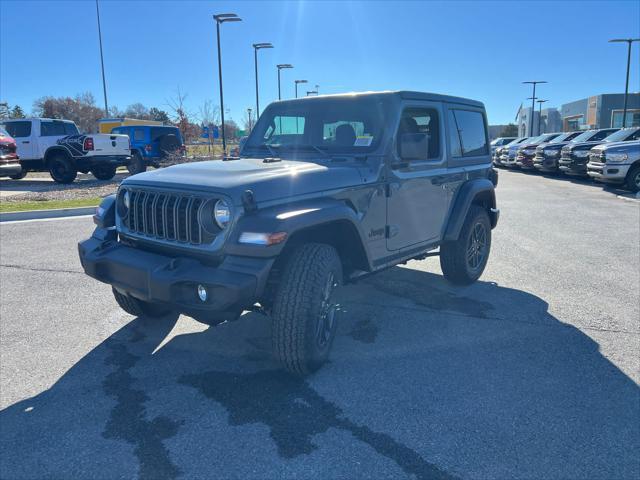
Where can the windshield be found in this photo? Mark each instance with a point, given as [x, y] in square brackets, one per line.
[583, 137]
[620, 135]
[532, 140]
[333, 125]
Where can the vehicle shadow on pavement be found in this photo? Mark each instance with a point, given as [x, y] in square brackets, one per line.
[425, 381]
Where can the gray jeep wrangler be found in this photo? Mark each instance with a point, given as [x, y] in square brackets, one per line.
[326, 191]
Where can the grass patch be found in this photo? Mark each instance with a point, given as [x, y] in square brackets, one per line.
[7, 206]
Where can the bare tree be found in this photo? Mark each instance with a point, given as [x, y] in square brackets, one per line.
[137, 110]
[209, 113]
[81, 109]
[181, 117]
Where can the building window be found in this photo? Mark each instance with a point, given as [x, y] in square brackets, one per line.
[633, 118]
[573, 123]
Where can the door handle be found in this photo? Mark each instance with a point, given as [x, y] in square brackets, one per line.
[25, 141]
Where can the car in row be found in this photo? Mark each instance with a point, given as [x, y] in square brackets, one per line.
[9, 159]
[579, 154]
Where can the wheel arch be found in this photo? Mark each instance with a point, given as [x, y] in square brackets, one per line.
[479, 191]
[51, 151]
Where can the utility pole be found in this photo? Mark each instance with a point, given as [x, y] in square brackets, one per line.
[104, 83]
[533, 103]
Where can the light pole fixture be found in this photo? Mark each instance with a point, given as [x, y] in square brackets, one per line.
[540, 102]
[222, 18]
[256, 47]
[104, 83]
[533, 102]
[297, 82]
[280, 67]
[629, 41]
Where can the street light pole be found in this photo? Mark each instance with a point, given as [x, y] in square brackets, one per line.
[629, 41]
[280, 67]
[249, 113]
[297, 82]
[540, 102]
[533, 103]
[256, 47]
[104, 83]
[221, 18]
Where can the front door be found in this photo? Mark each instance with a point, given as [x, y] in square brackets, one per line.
[417, 201]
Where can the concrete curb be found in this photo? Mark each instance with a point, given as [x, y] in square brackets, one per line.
[40, 214]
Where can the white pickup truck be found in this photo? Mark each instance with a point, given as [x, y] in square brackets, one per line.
[56, 146]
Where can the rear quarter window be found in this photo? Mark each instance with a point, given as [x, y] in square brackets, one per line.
[18, 129]
[467, 133]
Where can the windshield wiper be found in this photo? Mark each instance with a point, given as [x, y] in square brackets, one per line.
[308, 146]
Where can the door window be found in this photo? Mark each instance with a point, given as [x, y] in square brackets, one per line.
[421, 120]
[18, 129]
[138, 135]
[467, 133]
[52, 129]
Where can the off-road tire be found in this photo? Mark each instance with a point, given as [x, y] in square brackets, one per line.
[19, 176]
[137, 164]
[632, 181]
[454, 256]
[104, 172]
[62, 169]
[298, 307]
[138, 308]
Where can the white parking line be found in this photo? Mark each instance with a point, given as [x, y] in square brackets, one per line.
[10, 222]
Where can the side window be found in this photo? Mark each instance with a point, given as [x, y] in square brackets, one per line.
[421, 120]
[472, 137]
[138, 135]
[70, 128]
[635, 135]
[600, 135]
[454, 136]
[52, 129]
[18, 129]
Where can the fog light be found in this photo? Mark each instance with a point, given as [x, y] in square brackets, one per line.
[202, 293]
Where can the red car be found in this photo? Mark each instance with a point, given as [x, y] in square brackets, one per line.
[9, 160]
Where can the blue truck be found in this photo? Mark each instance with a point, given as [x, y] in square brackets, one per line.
[151, 144]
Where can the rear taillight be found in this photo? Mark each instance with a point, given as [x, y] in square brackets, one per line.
[148, 148]
[88, 144]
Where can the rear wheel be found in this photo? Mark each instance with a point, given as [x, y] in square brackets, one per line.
[304, 311]
[463, 260]
[62, 169]
[139, 308]
[633, 179]
[104, 172]
[137, 164]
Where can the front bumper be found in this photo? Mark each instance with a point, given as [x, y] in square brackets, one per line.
[524, 161]
[573, 165]
[9, 167]
[610, 173]
[544, 163]
[233, 285]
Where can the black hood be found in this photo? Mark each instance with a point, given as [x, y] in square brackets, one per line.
[267, 180]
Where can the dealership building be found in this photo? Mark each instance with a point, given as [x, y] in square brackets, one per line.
[599, 111]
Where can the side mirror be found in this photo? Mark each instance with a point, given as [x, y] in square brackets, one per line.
[414, 146]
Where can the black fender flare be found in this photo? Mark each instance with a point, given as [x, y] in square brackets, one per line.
[55, 149]
[470, 191]
[293, 219]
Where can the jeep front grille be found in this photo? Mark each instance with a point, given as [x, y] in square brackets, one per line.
[166, 216]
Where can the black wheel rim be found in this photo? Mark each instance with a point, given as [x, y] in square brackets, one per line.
[326, 319]
[59, 169]
[477, 247]
[636, 179]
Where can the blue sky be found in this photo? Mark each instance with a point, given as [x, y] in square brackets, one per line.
[482, 50]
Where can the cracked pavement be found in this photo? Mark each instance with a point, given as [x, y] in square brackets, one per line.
[530, 373]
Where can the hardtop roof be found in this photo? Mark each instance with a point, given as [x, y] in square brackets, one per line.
[404, 94]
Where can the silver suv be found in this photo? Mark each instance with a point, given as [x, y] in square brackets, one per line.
[616, 163]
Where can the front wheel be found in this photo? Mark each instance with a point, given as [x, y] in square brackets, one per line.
[463, 260]
[19, 176]
[62, 169]
[104, 172]
[139, 308]
[633, 179]
[304, 313]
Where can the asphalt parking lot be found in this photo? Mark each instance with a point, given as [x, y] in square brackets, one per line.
[531, 373]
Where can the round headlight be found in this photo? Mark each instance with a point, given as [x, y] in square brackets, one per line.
[222, 213]
[123, 203]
